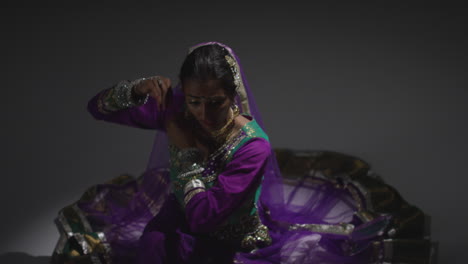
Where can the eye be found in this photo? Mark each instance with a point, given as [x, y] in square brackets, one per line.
[216, 103]
[194, 102]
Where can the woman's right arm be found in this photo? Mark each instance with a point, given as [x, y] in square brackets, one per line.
[135, 104]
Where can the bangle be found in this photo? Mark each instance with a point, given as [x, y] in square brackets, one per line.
[123, 95]
[191, 194]
[193, 184]
[135, 83]
[191, 188]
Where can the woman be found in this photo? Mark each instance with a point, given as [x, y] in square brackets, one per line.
[212, 191]
[203, 178]
[218, 157]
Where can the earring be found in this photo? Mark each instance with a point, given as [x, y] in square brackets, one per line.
[235, 109]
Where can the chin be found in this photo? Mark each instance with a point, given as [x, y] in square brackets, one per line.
[206, 127]
[209, 128]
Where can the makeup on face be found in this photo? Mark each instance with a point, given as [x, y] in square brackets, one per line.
[208, 103]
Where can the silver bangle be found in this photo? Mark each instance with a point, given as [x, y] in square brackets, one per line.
[191, 173]
[191, 194]
[195, 183]
[123, 94]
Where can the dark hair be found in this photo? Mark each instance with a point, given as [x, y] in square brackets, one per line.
[208, 63]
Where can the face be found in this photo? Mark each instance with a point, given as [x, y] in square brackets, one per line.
[208, 103]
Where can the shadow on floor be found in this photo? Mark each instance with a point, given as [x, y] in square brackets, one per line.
[22, 258]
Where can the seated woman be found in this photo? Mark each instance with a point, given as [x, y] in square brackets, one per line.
[212, 191]
[196, 201]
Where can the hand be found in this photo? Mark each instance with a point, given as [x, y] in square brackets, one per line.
[158, 87]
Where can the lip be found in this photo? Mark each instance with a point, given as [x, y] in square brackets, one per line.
[207, 123]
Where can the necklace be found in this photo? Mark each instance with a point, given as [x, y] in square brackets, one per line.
[222, 134]
[213, 140]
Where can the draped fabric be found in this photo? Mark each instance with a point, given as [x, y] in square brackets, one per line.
[315, 212]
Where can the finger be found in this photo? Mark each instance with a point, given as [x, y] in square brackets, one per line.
[156, 94]
[163, 92]
[138, 89]
[144, 86]
[168, 92]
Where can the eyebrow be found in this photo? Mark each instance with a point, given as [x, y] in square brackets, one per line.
[207, 98]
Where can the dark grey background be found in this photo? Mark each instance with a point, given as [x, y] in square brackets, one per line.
[385, 81]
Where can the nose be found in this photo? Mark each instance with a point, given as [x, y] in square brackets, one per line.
[206, 114]
[203, 112]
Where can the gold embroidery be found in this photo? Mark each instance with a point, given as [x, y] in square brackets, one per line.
[105, 102]
[258, 238]
[211, 167]
[74, 253]
[340, 229]
[249, 231]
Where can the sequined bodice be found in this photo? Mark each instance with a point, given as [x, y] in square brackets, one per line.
[188, 163]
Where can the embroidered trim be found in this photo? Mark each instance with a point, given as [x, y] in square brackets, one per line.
[340, 229]
[90, 246]
[207, 171]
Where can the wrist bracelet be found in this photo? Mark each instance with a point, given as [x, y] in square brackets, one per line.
[123, 94]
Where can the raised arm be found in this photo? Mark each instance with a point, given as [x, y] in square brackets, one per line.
[137, 104]
[206, 210]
